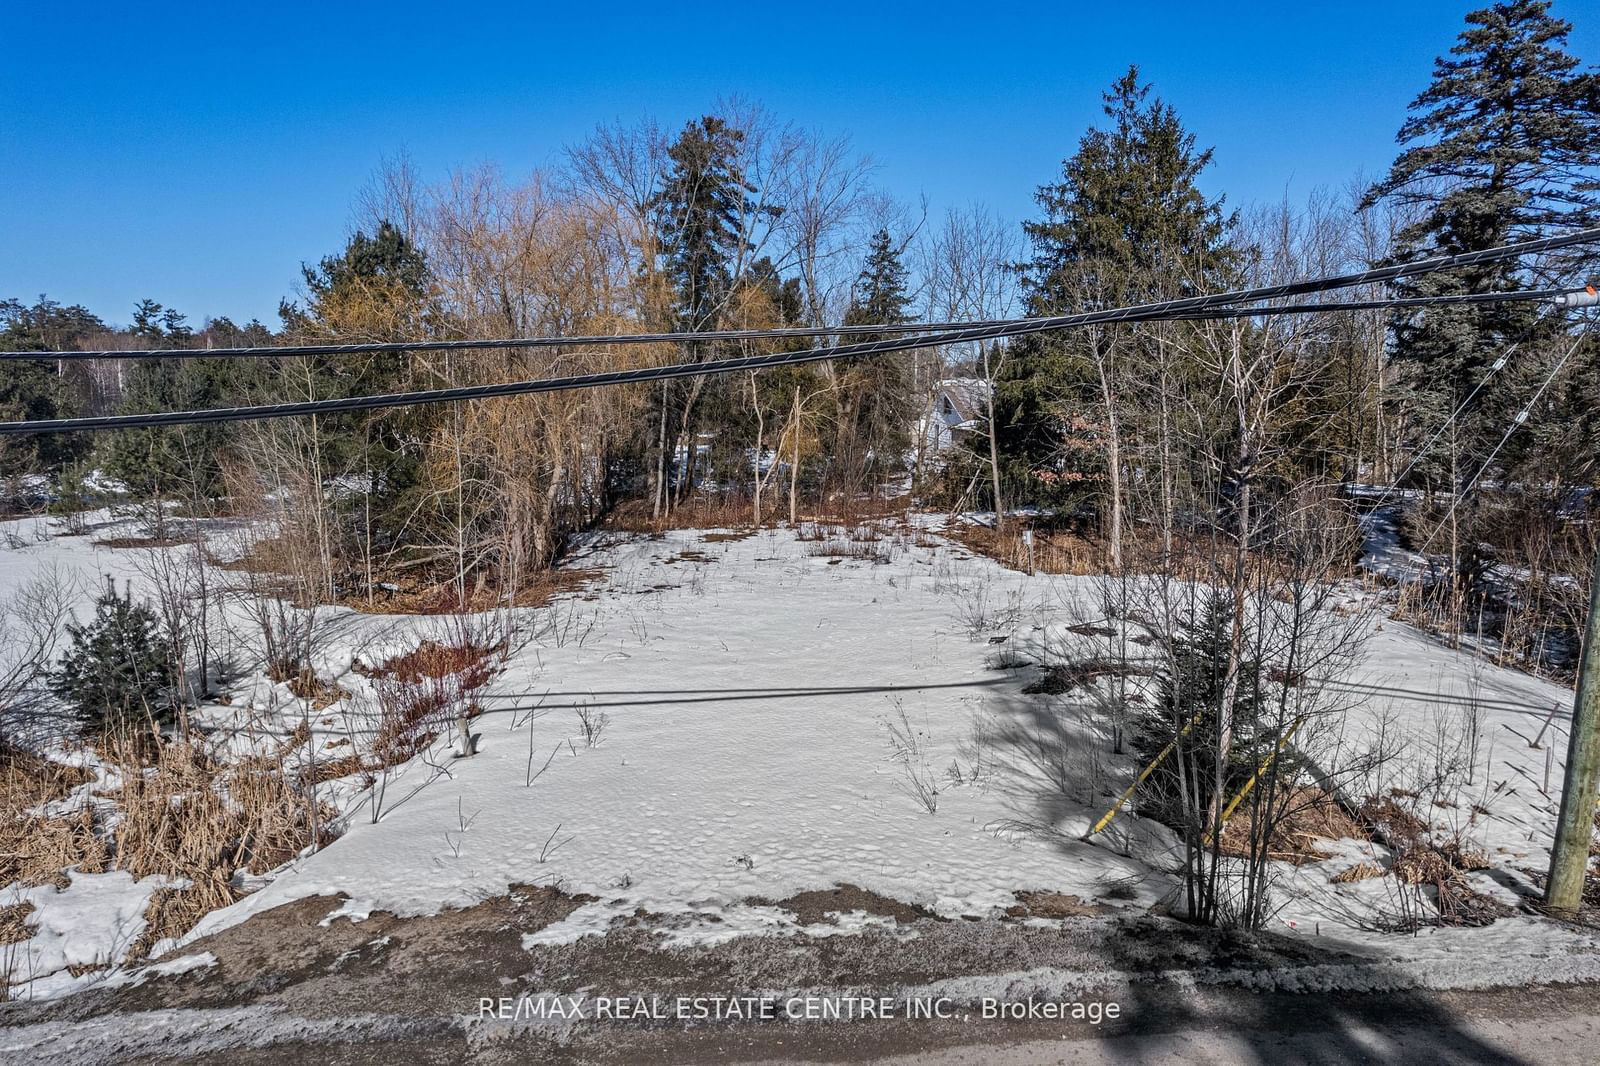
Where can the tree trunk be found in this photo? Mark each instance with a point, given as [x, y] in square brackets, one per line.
[994, 451]
[794, 461]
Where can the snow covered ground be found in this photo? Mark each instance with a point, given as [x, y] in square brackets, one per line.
[782, 715]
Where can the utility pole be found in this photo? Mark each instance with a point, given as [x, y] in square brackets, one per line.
[1569, 859]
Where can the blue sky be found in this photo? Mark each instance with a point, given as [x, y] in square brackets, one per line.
[197, 154]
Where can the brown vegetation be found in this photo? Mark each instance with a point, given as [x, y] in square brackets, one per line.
[1309, 815]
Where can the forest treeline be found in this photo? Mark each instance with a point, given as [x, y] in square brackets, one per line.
[1140, 436]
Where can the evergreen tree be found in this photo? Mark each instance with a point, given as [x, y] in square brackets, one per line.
[1503, 144]
[880, 294]
[377, 278]
[177, 461]
[34, 390]
[378, 287]
[118, 670]
[875, 403]
[701, 214]
[1127, 223]
[1187, 714]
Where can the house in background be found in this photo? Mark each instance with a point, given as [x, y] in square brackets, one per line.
[960, 409]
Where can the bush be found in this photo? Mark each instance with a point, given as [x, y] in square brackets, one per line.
[71, 500]
[118, 671]
[1187, 715]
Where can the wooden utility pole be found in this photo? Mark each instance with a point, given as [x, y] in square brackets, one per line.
[1569, 859]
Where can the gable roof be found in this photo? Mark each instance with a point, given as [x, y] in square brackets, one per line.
[969, 396]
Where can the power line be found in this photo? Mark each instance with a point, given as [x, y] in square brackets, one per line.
[582, 341]
[1494, 368]
[1183, 307]
[611, 340]
[1516, 422]
[1397, 270]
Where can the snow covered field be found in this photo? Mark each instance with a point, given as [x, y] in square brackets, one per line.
[769, 715]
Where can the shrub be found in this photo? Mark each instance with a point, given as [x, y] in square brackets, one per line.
[118, 670]
[1187, 715]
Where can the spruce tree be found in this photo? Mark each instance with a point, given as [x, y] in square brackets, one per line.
[880, 295]
[875, 404]
[1502, 146]
[1127, 223]
[34, 391]
[169, 462]
[701, 212]
[1187, 714]
[118, 670]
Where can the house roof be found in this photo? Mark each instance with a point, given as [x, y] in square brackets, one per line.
[969, 396]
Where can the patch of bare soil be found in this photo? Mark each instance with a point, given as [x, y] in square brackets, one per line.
[388, 989]
[827, 904]
[1053, 905]
[140, 542]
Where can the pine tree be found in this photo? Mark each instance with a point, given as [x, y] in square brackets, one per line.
[1501, 146]
[118, 670]
[1126, 224]
[167, 462]
[32, 391]
[377, 288]
[701, 214]
[875, 403]
[1188, 715]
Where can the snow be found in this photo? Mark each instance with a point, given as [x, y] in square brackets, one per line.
[747, 753]
[90, 924]
[752, 692]
[1381, 551]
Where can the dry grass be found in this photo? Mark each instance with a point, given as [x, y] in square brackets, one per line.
[733, 535]
[416, 594]
[140, 542]
[14, 928]
[737, 513]
[183, 815]
[1442, 865]
[1080, 553]
[1310, 815]
[1361, 871]
[715, 514]
[1054, 552]
[866, 551]
[333, 769]
[401, 590]
[433, 660]
[420, 694]
[191, 817]
[308, 686]
[35, 849]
